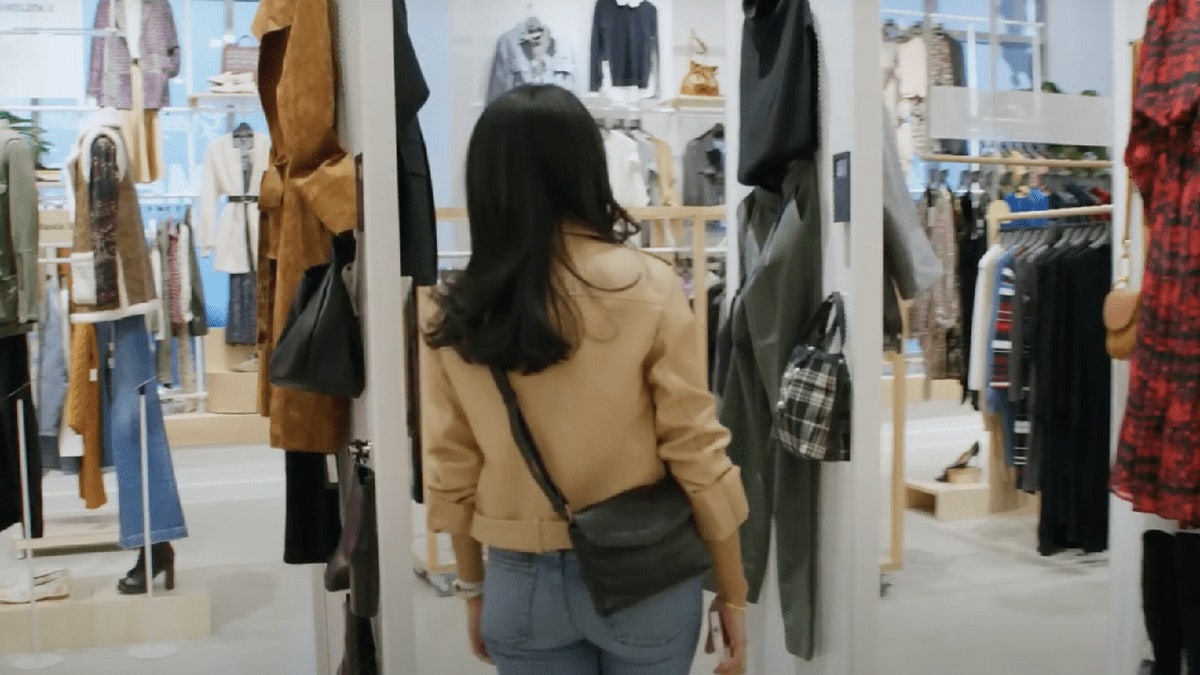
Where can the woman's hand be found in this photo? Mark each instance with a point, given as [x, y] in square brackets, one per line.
[733, 626]
[474, 632]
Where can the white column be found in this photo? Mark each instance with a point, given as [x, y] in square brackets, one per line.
[1127, 634]
[366, 106]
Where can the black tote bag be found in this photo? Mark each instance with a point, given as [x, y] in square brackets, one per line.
[320, 349]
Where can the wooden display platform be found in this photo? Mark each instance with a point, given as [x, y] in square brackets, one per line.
[91, 531]
[97, 616]
[196, 429]
[918, 388]
[947, 501]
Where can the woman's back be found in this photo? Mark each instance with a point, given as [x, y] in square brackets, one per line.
[630, 395]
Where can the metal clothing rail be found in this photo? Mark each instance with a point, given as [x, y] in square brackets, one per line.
[1018, 161]
[961, 17]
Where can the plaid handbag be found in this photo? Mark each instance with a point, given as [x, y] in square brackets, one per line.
[812, 415]
[240, 58]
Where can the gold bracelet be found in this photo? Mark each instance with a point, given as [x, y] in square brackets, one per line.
[736, 608]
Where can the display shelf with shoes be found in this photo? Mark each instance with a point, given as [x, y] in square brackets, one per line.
[231, 404]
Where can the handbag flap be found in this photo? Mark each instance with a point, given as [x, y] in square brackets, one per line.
[637, 517]
[1120, 309]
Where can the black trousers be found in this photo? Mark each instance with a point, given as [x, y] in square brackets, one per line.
[312, 524]
[15, 394]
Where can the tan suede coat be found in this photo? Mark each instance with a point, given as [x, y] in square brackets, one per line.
[308, 194]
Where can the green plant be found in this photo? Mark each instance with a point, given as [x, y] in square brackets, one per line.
[33, 132]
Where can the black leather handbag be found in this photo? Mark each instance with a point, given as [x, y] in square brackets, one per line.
[630, 547]
[354, 565]
[320, 349]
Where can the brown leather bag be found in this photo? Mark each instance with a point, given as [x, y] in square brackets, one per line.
[1122, 302]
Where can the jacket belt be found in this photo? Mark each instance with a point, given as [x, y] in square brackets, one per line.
[246, 199]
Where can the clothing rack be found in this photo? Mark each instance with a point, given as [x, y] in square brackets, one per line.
[1018, 161]
[431, 567]
[1005, 497]
[89, 531]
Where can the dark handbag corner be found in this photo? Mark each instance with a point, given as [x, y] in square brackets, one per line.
[320, 348]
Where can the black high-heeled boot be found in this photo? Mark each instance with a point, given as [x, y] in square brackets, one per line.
[1187, 549]
[163, 561]
[1160, 601]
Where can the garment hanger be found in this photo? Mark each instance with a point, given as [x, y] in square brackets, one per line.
[243, 130]
[718, 130]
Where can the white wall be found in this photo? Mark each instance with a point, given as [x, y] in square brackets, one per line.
[1077, 54]
[1127, 635]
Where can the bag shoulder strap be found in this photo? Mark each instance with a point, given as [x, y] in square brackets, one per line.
[818, 332]
[524, 440]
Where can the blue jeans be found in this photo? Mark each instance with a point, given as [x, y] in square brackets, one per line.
[126, 364]
[539, 620]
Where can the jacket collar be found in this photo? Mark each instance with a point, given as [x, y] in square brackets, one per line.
[629, 3]
[272, 15]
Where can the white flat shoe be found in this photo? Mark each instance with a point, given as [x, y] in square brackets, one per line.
[49, 586]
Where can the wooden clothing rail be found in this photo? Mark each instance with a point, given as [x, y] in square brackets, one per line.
[1018, 161]
[661, 219]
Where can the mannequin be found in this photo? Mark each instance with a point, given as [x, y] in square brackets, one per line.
[113, 288]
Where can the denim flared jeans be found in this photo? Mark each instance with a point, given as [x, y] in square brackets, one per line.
[127, 366]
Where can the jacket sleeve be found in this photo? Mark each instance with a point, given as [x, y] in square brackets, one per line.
[905, 244]
[501, 79]
[171, 37]
[599, 48]
[210, 197]
[96, 64]
[23, 215]
[690, 439]
[453, 459]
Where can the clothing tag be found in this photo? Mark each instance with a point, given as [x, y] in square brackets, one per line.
[93, 375]
[331, 469]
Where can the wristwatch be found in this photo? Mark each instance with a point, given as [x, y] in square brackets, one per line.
[466, 590]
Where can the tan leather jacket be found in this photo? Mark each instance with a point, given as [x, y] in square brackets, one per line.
[629, 399]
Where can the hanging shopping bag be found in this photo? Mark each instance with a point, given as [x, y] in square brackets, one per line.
[812, 415]
[320, 349]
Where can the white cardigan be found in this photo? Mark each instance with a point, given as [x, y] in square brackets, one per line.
[226, 238]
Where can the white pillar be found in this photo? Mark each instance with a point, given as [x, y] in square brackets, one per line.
[366, 108]
[1127, 634]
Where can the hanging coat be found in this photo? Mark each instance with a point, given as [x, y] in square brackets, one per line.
[780, 236]
[109, 79]
[308, 195]
[18, 233]
[223, 230]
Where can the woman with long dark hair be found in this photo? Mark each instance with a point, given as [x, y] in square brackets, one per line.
[600, 346]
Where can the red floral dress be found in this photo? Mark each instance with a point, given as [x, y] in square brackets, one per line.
[1158, 454]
